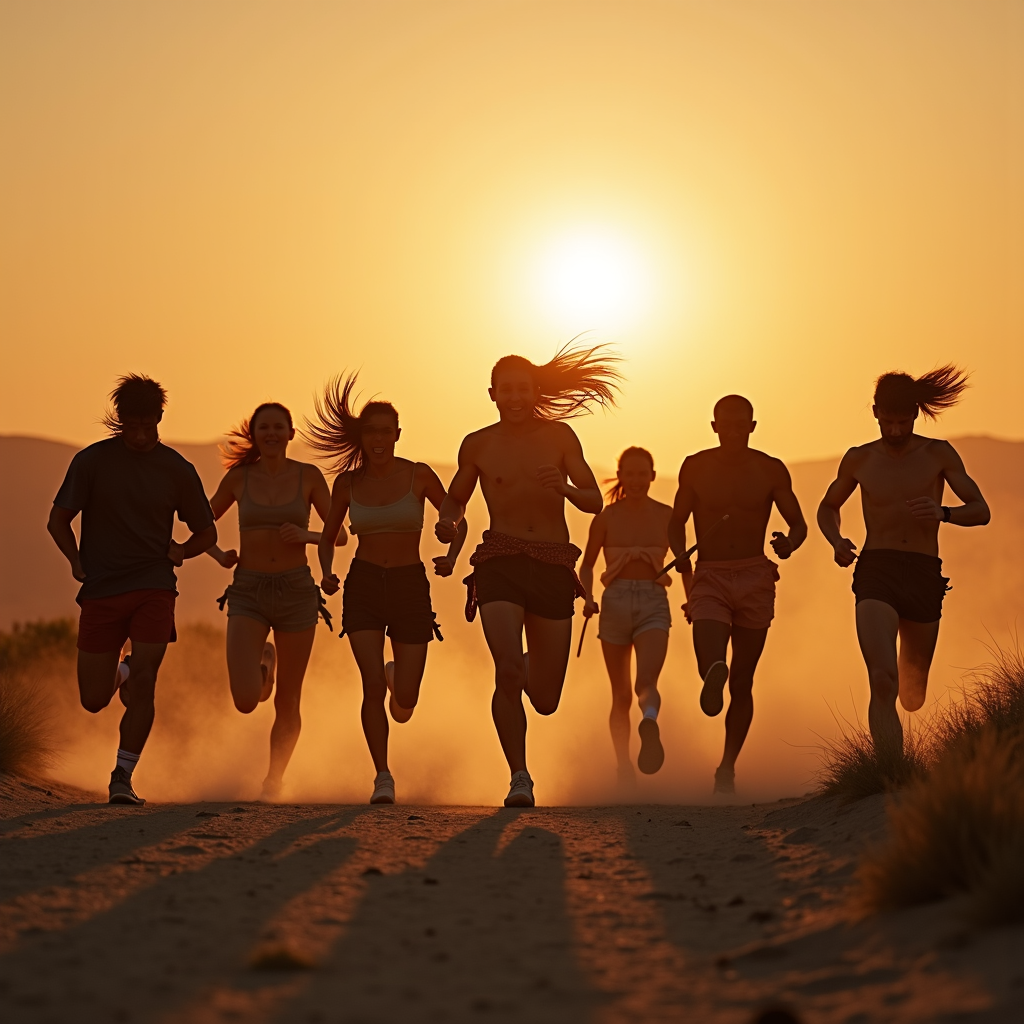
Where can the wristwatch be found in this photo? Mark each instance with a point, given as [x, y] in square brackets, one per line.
[946, 513]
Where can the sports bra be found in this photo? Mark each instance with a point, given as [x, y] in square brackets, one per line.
[253, 516]
[402, 516]
[618, 558]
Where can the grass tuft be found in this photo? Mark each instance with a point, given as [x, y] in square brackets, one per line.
[851, 769]
[24, 736]
[279, 958]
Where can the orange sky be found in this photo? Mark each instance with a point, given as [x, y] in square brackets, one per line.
[244, 198]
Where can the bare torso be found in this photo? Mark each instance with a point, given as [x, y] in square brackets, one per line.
[630, 524]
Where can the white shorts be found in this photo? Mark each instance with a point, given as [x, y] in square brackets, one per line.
[631, 607]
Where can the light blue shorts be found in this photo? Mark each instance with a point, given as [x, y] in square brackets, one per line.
[631, 607]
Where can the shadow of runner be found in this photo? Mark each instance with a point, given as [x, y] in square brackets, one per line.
[472, 935]
[156, 949]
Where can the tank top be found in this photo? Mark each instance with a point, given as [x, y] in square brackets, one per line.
[619, 557]
[402, 516]
[253, 516]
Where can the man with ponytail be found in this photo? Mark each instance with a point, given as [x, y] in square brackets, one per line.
[898, 581]
[128, 489]
[528, 464]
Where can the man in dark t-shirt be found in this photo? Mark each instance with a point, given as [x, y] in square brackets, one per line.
[128, 489]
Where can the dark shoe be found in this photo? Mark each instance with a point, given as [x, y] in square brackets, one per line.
[712, 699]
[120, 788]
[652, 753]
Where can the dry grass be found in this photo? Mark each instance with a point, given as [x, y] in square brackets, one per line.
[851, 769]
[25, 747]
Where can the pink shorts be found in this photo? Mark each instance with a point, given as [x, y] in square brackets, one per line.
[740, 592]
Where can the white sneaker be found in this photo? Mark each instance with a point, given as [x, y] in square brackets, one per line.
[383, 789]
[520, 793]
[712, 698]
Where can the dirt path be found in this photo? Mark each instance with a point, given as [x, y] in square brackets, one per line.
[181, 913]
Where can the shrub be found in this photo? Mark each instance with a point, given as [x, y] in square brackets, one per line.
[33, 641]
[24, 735]
[852, 769]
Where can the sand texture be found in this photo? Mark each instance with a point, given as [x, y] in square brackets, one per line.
[254, 913]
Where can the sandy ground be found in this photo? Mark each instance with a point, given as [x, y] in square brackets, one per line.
[190, 913]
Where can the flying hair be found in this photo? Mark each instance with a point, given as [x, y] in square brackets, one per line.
[932, 393]
[617, 492]
[576, 379]
[134, 395]
[337, 432]
[240, 448]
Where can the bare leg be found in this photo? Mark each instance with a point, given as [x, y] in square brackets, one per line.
[917, 645]
[548, 641]
[368, 650]
[410, 661]
[651, 647]
[97, 679]
[292, 658]
[503, 630]
[246, 638]
[877, 628]
[710, 641]
[617, 659]
[747, 645]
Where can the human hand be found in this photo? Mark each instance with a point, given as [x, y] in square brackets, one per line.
[781, 544]
[445, 530]
[590, 607]
[77, 571]
[444, 565]
[845, 552]
[686, 613]
[925, 508]
[228, 558]
[551, 476]
[292, 534]
[176, 553]
[330, 584]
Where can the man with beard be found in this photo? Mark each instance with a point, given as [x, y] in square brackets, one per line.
[898, 579]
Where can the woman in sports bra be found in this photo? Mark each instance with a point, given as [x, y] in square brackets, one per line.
[273, 587]
[386, 590]
[633, 531]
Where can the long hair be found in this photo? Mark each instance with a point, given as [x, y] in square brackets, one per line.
[932, 393]
[617, 492]
[573, 381]
[134, 395]
[240, 447]
[337, 432]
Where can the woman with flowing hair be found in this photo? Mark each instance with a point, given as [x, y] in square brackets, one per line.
[387, 592]
[634, 613]
[273, 587]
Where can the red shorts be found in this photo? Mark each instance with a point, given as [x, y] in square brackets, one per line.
[146, 616]
[740, 592]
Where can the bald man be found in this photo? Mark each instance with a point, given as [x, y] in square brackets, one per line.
[733, 591]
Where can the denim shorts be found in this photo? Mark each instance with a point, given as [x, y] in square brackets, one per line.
[631, 607]
[286, 601]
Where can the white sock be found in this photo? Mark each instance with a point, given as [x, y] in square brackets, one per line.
[651, 712]
[127, 760]
[123, 670]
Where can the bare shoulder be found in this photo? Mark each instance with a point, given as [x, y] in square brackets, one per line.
[342, 482]
[561, 432]
[693, 463]
[313, 469]
[856, 456]
[776, 468]
[660, 508]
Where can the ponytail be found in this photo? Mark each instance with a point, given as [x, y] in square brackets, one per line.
[240, 449]
[933, 393]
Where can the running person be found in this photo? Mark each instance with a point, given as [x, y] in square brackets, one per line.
[128, 489]
[898, 579]
[387, 592]
[524, 569]
[733, 590]
[273, 587]
[634, 611]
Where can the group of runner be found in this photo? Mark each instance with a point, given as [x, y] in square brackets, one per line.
[129, 487]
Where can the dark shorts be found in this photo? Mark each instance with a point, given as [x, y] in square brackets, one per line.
[539, 587]
[145, 616]
[395, 601]
[288, 602]
[908, 581]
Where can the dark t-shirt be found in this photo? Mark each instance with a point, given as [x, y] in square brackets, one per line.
[128, 501]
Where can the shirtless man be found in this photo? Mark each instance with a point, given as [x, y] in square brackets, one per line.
[898, 579]
[733, 589]
[528, 464]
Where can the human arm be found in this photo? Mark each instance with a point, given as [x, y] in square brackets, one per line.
[595, 543]
[453, 508]
[973, 512]
[333, 525]
[319, 497]
[789, 508]
[222, 500]
[433, 491]
[829, 519]
[682, 508]
[59, 528]
[200, 541]
[581, 489]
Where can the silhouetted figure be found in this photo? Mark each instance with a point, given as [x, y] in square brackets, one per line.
[898, 580]
[634, 612]
[528, 464]
[386, 591]
[733, 590]
[128, 489]
[273, 588]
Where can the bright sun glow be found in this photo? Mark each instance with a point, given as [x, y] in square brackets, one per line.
[592, 279]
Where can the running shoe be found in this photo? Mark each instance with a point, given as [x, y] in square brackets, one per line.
[520, 792]
[269, 665]
[652, 753]
[398, 713]
[123, 677]
[120, 788]
[711, 696]
[725, 781]
[383, 789]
